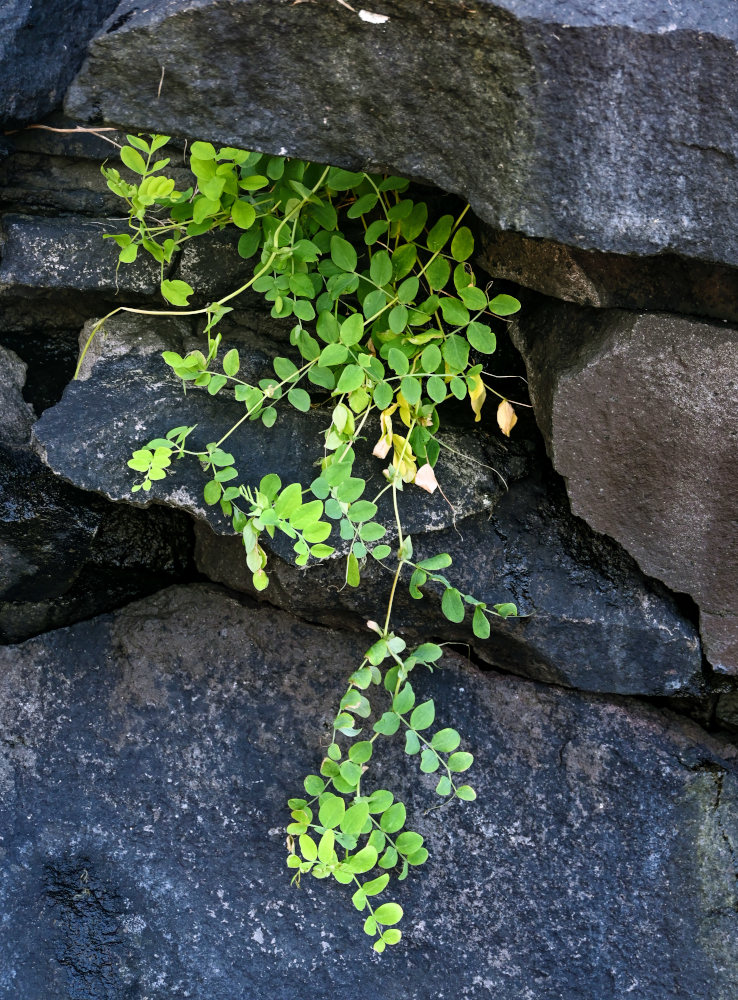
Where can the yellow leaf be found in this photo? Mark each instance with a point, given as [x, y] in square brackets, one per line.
[477, 396]
[506, 417]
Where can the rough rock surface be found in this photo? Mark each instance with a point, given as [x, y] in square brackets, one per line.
[17, 417]
[602, 126]
[66, 554]
[663, 282]
[639, 415]
[145, 764]
[41, 48]
[66, 254]
[595, 622]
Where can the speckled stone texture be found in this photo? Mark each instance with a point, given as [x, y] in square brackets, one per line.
[600, 125]
[144, 767]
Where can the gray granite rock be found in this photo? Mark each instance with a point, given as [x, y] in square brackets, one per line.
[602, 126]
[145, 764]
[595, 623]
[639, 415]
[41, 49]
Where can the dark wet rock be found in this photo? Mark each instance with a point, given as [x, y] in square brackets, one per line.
[598, 126]
[50, 355]
[42, 47]
[67, 254]
[595, 622]
[66, 555]
[51, 168]
[145, 764]
[638, 413]
[16, 416]
[663, 282]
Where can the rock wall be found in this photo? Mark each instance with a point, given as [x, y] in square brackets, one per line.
[147, 748]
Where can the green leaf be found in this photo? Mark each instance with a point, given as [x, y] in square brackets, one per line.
[350, 490]
[441, 561]
[371, 531]
[504, 305]
[354, 819]
[269, 485]
[212, 492]
[343, 254]
[398, 361]
[352, 330]
[436, 388]
[333, 354]
[231, 362]
[428, 761]
[362, 861]
[462, 245]
[423, 715]
[314, 785]
[439, 234]
[388, 724]
[326, 846]
[444, 786]
[363, 205]
[452, 605]
[430, 359]
[437, 274]
[409, 842]
[481, 338]
[403, 260]
[412, 743]
[375, 230]
[506, 610]
[133, 160]
[480, 623]
[408, 290]
[411, 389]
[403, 700]
[393, 819]
[351, 378]
[456, 352]
[397, 318]
[389, 858]
[383, 395]
[454, 312]
[381, 551]
[473, 298]
[353, 576]
[331, 810]
[361, 510]
[299, 399]
[466, 792]
[360, 752]
[243, 214]
[288, 500]
[460, 761]
[380, 269]
[388, 913]
[445, 740]
[306, 515]
[428, 652]
[175, 291]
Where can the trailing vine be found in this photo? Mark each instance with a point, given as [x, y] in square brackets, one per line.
[389, 323]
